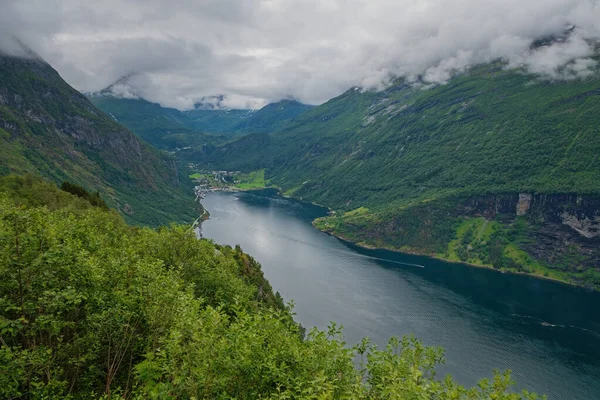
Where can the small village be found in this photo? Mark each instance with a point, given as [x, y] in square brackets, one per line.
[210, 181]
[213, 180]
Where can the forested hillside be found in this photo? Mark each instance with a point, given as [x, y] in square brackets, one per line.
[171, 129]
[48, 128]
[93, 308]
[272, 117]
[403, 167]
[149, 120]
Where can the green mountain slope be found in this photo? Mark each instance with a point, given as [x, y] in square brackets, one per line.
[94, 309]
[217, 121]
[154, 123]
[405, 166]
[489, 130]
[272, 117]
[149, 120]
[50, 129]
[169, 128]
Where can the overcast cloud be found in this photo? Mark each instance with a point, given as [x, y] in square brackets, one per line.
[256, 51]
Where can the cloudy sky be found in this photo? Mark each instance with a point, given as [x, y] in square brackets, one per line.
[256, 51]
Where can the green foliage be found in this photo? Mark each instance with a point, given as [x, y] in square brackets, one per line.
[33, 191]
[94, 198]
[251, 180]
[91, 307]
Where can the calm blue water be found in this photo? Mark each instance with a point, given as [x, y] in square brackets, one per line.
[547, 333]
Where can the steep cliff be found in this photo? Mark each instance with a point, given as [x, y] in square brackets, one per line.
[50, 129]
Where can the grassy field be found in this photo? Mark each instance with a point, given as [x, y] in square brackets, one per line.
[251, 180]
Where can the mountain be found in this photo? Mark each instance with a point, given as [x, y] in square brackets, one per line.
[268, 119]
[169, 128]
[50, 129]
[149, 120]
[497, 167]
[217, 121]
[272, 117]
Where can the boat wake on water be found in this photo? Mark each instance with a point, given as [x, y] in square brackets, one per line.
[383, 259]
[548, 324]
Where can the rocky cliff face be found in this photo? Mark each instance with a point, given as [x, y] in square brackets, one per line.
[579, 212]
[558, 231]
[565, 228]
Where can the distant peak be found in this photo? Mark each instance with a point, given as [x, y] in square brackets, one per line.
[124, 80]
[210, 103]
[559, 37]
[121, 88]
[290, 98]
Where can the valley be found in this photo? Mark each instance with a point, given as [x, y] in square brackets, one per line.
[239, 221]
[411, 168]
[417, 170]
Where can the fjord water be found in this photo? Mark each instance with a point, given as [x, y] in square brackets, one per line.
[547, 333]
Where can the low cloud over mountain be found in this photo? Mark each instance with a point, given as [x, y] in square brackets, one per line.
[256, 51]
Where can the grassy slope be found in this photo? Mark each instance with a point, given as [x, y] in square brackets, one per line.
[252, 180]
[48, 128]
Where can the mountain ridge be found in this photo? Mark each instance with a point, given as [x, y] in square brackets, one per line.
[49, 128]
[152, 121]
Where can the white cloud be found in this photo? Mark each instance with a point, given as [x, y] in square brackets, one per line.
[254, 51]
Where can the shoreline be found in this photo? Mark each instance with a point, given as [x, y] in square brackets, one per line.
[285, 196]
[433, 257]
[279, 190]
[413, 252]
